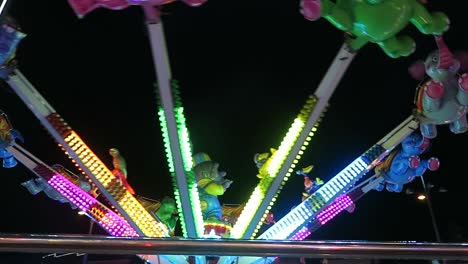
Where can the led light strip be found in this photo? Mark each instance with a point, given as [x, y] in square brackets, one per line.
[280, 168]
[90, 165]
[148, 225]
[110, 221]
[186, 148]
[334, 209]
[184, 190]
[340, 204]
[183, 181]
[107, 219]
[305, 213]
[285, 158]
[293, 222]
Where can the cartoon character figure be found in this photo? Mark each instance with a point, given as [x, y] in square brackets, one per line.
[120, 168]
[8, 135]
[83, 7]
[164, 210]
[211, 184]
[85, 184]
[403, 164]
[37, 185]
[362, 20]
[443, 99]
[262, 161]
[10, 37]
[310, 186]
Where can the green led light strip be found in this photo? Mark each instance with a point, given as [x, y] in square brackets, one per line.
[185, 147]
[291, 168]
[275, 163]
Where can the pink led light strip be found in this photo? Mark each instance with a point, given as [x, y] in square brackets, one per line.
[333, 209]
[327, 214]
[109, 220]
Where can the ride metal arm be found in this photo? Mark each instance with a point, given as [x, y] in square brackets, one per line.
[293, 222]
[339, 204]
[91, 166]
[175, 133]
[111, 222]
[290, 150]
[295, 225]
[99, 213]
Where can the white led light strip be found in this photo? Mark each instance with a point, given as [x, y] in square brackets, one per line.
[302, 213]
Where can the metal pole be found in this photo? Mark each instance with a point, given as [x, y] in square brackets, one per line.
[90, 231]
[231, 247]
[163, 73]
[431, 211]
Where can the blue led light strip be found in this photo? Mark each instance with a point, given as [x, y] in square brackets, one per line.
[304, 212]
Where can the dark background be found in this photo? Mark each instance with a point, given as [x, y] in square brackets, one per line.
[245, 69]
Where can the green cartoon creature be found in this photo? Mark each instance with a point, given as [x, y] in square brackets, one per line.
[164, 210]
[377, 21]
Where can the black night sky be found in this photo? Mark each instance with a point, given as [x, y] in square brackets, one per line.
[245, 69]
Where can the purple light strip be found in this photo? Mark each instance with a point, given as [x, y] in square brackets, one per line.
[70, 191]
[110, 221]
[335, 208]
[301, 234]
[116, 226]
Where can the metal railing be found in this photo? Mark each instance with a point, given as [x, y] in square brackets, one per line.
[264, 248]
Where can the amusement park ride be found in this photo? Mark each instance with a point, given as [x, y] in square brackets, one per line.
[104, 195]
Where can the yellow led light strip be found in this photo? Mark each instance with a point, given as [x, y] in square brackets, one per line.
[85, 159]
[273, 191]
[287, 155]
[308, 118]
[117, 195]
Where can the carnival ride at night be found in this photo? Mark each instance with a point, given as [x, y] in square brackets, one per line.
[104, 195]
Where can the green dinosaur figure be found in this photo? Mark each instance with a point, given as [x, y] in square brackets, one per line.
[377, 21]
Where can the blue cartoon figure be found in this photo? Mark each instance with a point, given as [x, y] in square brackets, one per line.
[310, 186]
[10, 37]
[8, 135]
[211, 184]
[403, 164]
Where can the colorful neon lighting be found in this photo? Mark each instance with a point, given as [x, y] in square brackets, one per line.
[106, 218]
[335, 208]
[185, 143]
[186, 151]
[109, 220]
[290, 224]
[145, 222]
[86, 161]
[301, 234]
[263, 197]
[167, 144]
